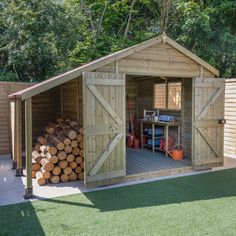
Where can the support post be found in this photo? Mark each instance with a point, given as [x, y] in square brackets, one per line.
[19, 167]
[28, 147]
[13, 132]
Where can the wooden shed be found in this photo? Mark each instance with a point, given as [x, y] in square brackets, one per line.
[95, 95]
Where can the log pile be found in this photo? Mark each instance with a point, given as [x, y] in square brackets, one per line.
[58, 154]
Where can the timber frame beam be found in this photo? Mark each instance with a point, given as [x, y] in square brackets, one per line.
[18, 137]
[13, 132]
[28, 147]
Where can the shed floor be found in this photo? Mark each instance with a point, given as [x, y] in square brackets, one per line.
[144, 160]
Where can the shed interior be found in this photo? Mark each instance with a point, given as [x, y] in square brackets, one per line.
[143, 94]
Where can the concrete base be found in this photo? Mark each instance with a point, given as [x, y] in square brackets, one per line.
[13, 188]
[29, 193]
[14, 164]
[19, 172]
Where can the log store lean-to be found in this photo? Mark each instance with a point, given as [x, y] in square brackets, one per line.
[94, 95]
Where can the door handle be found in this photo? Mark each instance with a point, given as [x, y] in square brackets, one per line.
[222, 121]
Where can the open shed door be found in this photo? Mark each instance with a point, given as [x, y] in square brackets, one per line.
[104, 128]
[208, 122]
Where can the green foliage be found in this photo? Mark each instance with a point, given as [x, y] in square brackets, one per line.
[40, 39]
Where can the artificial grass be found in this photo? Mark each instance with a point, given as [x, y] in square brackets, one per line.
[203, 204]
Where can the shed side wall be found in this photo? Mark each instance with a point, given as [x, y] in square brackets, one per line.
[7, 88]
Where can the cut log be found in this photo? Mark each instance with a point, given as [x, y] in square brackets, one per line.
[73, 123]
[56, 142]
[56, 170]
[78, 129]
[79, 159]
[81, 145]
[53, 159]
[54, 179]
[79, 138]
[64, 178]
[60, 146]
[70, 158]
[63, 164]
[34, 174]
[81, 152]
[67, 120]
[37, 147]
[52, 150]
[60, 120]
[68, 149]
[73, 165]
[46, 164]
[67, 141]
[70, 133]
[36, 166]
[46, 175]
[75, 151]
[61, 155]
[36, 156]
[73, 176]
[42, 140]
[67, 170]
[43, 148]
[81, 130]
[40, 180]
[82, 165]
[74, 143]
[60, 135]
[81, 176]
[50, 129]
[78, 169]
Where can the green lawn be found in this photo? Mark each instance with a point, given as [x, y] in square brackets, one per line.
[197, 205]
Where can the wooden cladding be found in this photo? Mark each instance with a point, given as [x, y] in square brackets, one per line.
[7, 88]
[158, 60]
[230, 116]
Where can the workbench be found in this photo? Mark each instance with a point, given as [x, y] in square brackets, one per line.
[166, 126]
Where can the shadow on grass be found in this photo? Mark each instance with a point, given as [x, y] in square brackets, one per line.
[20, 219]
[207, 186]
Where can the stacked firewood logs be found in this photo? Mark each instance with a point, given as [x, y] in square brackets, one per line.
[58, 154]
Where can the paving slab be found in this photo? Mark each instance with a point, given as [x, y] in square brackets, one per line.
[12, 188]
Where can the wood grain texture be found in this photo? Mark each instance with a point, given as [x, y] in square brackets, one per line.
[104, 107]
[6, 88]
[230, 116]
[207, 132]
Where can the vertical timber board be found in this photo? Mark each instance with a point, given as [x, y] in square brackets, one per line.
[186, 115]
[104, 128]
[7, 88]
[13, 128]
[19, 133]
[207, 132]
[28, 142]
[230, 116]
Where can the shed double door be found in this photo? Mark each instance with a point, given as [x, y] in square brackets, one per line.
[104, 128]
[208, 119]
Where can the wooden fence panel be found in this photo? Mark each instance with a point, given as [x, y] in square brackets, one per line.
[230, 116]
[7, 88]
